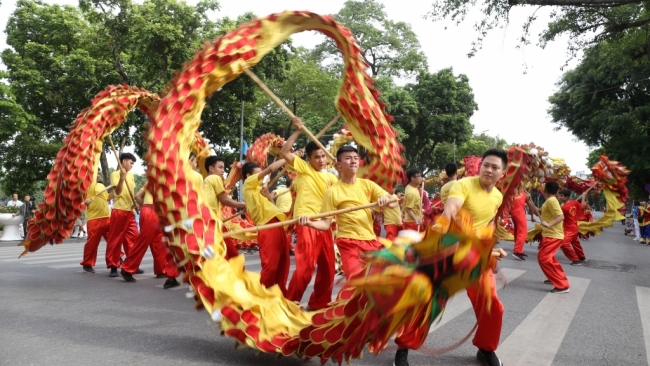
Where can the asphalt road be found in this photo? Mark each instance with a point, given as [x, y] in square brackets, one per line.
[53, 314]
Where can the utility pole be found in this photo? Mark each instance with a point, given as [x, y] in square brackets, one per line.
[241, 143]
[454, 150]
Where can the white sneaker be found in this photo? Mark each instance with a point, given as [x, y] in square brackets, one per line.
[636, 239]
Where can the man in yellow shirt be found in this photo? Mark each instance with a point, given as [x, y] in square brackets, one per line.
[413, 201]
[282, 198]
[274, 243]
[313, 247]
[215, 195]
[479, 196]
[98, 221]
[451, 169]
[123, 229]
[354, 234]
[393, 220]
[552, 239]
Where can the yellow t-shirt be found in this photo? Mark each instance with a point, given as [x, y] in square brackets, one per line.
[98, 207]
[196, 178]
[259, 207]
[355, 224]
[283, 200]
[444, 191]
[212, 188]
[412, 200]
[550, 210]
[123, 201]
[393, 216]
[310, 186]
[481, 205]
[148, 198]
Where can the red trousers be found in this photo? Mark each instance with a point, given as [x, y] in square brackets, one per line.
[392, 231]
[571, 246]
[376, 227]
[351, 251]
[171, 271]
[150, 237]
[274, 252]
[313, 247]
[123, 232]
[489, 321]
[413, 226]
[550, 266]
[97, 228]
[231, 248]
[521, 229]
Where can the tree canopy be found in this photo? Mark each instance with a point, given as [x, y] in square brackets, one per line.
[586, 22]
[605, 102]
[389, 48]
[60, 56]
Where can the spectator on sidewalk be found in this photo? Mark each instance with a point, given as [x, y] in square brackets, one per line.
[27, 210]
[14, 201]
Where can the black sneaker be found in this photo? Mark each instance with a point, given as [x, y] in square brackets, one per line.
[559, 290]
[547, 282]
[583, 260]
[127, 276]
[291, 252]
[113, 272]
[401, 357]
[171, 283]
[524, 254]
[519, 256]
[161, 276]
[139, 271]
[88, 269]
[488, 358]
[576, 263]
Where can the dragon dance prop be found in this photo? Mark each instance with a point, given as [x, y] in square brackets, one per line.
[261, 318]
[611, 176]
[75, 166]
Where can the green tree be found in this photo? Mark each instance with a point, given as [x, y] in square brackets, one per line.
[389, 48]
[605, 102]
[445, 104]
[585, 21]
[53, 70]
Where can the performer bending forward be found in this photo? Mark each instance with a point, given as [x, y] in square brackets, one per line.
[479, 196]
[274, 243]
[355, 234]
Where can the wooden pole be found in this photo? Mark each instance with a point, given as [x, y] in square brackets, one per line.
[233, 216]
[295, 221]
[100, 192]
[119, 165]
[285, 108]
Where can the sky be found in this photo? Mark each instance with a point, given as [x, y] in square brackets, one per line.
[512, 99]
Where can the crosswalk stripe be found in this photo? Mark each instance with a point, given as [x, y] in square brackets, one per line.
[643, 300]
[544, 328]
[26, 260]
[461, 303]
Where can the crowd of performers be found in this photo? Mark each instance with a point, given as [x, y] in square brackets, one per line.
[316, 191]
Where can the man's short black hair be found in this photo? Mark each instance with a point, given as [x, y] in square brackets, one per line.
[344, 149]
[126, 155]
[551, 188]
[248, 168]
[499, 153]
[311, 147]
[213, 159]
[410, 173]
[565, 193]
[451, 169]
